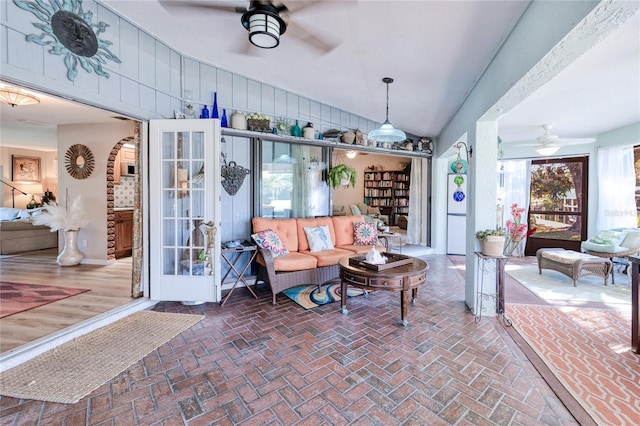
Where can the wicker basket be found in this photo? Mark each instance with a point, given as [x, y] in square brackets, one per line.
[258, 125]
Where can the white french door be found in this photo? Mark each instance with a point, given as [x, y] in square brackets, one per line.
[184, 213]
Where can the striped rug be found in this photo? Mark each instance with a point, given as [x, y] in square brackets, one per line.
[588, 350]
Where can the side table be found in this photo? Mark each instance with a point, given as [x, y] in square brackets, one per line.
[498, 295]
[227, 255]
[387, 237]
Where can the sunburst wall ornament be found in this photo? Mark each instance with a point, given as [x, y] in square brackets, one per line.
[72, 35]
[79, 162]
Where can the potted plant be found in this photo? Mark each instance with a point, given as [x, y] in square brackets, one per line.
[342, 175]
[491, 241]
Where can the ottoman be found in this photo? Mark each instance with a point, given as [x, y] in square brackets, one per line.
[573, 264]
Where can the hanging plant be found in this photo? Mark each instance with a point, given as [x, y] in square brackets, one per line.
[342, 175]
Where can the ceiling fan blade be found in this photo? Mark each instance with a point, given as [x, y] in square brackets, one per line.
[176, 5]
[322, 45]
[577, 141]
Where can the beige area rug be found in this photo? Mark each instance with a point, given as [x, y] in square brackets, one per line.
[553, 285]
[71, 371]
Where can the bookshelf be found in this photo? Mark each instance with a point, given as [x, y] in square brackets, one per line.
[389, 191]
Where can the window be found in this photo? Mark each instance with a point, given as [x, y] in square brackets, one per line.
[293, 182]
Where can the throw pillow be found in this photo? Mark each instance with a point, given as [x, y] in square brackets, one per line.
[364, 209]
[319, 238]
[373, 211]
[355, 210]
[365, 233]
[610, 237]
[269, 239]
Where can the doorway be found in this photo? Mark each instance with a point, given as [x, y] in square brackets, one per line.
[558, 203]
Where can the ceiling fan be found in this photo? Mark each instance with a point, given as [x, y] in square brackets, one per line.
[549, 144]
[266, 21]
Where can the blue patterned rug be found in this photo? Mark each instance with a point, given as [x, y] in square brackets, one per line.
[309, 297]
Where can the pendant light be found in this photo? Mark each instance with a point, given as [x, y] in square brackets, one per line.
[15, 97]
[386, 132]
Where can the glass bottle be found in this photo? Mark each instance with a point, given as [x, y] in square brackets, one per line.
[214, 111]
[296, 130]
[205, 112]
[223, 120]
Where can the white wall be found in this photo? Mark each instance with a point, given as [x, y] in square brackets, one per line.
[48, 169]
[100, 138]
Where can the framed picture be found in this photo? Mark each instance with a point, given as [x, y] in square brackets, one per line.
[25, 169]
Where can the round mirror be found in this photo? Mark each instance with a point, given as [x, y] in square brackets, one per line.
[79, 161]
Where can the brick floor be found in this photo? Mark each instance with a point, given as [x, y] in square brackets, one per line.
[253, 363]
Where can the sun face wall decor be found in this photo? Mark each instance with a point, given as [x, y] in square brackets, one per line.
[79, 162]
[72, 34]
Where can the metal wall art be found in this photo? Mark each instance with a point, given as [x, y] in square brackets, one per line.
[232, 176]
[79, 162]
[72, 35]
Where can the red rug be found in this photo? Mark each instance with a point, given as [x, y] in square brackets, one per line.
[589, 351]
[16, 297]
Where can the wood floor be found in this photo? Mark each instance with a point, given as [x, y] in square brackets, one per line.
[110, 288]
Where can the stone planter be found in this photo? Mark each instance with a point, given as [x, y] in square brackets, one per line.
[493, 246]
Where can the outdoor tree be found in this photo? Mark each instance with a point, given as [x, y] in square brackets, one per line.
[550, 184]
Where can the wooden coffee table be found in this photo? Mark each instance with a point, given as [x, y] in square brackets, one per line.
[403, 278]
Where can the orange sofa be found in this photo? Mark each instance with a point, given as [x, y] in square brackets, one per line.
[301, 265]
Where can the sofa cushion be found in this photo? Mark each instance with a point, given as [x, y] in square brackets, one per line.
[632, 240]
[285, 228]
[293, 261]
[269, 239]
[328, 257]
[364, 209]
[319, 238]
[365, 233]
[355, 210]
[343, 228]
[606, 241]
[303, 243]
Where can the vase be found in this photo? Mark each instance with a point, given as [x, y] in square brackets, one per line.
[70, 254]
[214, 111]
[493, 246]
[205, 112]
[223, 120]
[296, 130]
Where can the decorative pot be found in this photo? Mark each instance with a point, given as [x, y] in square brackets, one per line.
[493, 246]
[70, 254]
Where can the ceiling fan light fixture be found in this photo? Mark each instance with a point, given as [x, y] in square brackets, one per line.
[386, 132]
[351, 154]
[16, 97]
[264, 24]
[547, 150]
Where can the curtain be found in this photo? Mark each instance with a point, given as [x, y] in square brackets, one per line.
[616, 188]
[514, 181]
[300, 192]
[415, 220]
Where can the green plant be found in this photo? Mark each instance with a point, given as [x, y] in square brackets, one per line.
[336, 174]
[482, 235]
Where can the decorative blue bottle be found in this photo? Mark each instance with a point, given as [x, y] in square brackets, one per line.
[214, 111]
[223, 120]
[205, 112]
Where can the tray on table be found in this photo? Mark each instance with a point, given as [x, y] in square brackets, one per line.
[393, 261]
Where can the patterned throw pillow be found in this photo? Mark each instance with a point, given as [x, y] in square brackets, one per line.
[269, 239]
[365, 233]
[319, 238]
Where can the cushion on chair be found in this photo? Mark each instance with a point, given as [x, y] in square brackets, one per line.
[355, 210]
[343, 227]
[269, 239]
[319, 238]
[568, 257]
[364, 209]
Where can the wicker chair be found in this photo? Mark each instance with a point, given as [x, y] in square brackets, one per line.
[630, 245]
